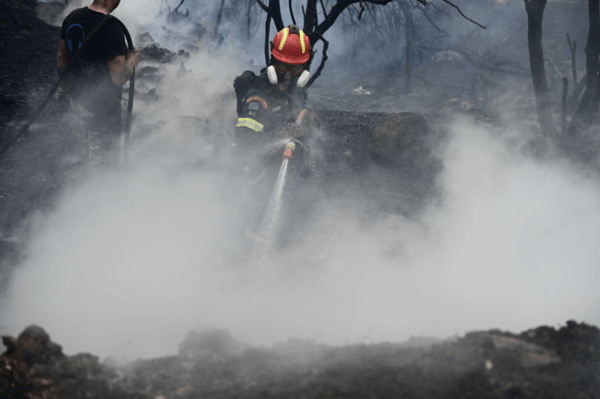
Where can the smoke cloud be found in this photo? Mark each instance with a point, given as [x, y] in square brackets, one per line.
[129, 263]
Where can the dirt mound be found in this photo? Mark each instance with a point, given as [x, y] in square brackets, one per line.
[34, 367]
[539, 363]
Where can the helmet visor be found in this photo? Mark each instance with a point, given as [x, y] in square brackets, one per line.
[282, 68]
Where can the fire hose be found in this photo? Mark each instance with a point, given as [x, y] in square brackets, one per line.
[64, 74]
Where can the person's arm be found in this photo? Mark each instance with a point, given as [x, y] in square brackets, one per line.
[62, 59]
[121, 67]
[253, 126]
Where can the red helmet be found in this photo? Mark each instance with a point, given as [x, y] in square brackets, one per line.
[291, 46]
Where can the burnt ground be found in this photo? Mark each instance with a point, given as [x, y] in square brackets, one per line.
[539, 363]
[544, 362]
[29, 183]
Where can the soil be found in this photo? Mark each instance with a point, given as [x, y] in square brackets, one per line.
[540, 363]
[544, 362]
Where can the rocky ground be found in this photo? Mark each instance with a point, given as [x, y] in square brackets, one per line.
[539, 363]
[544, 362]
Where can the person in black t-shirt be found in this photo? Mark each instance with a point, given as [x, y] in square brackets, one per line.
[95, 81]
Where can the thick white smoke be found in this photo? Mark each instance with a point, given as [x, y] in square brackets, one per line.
[129, 263]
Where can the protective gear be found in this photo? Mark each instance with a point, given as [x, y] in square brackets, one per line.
[291, 46]
[272, 74]
[303, 79]
[282, 68]
[292, 131]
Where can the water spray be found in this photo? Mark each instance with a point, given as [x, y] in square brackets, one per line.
[272, 216]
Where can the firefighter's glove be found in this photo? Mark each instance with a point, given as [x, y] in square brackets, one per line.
[64, 102]
[292, 131]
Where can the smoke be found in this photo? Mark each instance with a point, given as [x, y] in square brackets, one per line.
[129, 263]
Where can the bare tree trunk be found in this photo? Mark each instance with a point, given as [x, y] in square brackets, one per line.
[592, 50]
[535, 17]
[563, 114]
[310, 19]
[267, 37]
[275, 11]
[250, 2]
[219, 16]
[408, 24]
[573, 48]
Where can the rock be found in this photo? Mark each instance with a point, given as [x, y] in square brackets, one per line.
[158, 54]
[33, 346]
[210, 345]
[143, 40]
[398, 138]
[34, 367]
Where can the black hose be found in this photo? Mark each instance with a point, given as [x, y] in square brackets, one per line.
[64, 74]
[131, 94]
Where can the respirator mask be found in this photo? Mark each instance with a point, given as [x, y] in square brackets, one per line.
[284, 73]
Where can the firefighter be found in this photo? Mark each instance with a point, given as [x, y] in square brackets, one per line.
[272, 109]
[275, 122]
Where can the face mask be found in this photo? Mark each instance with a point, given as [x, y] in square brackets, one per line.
[287, 77]
[302, 80]
[272, 74]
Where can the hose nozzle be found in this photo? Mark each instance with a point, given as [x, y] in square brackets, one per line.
[289, 150]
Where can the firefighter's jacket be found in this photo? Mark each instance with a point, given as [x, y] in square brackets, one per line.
[264, 111]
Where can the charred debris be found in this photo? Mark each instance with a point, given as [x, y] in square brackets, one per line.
[544, 362]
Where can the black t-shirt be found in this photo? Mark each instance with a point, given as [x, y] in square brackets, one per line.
[90, 84]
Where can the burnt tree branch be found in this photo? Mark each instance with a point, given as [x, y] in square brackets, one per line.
[431, 21]
[335, 12]
[177, 8]
[267, 29]
[310, 17]
[322, 65]
[323, 7]
[275, 12]
[573, 48]
[263, 6]
[292, 12]
[463, 15]
[360, 13]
